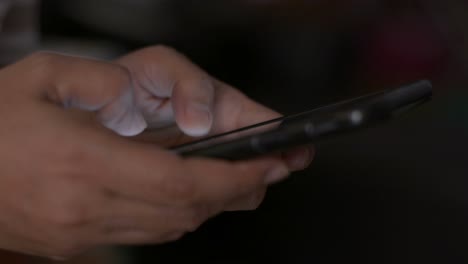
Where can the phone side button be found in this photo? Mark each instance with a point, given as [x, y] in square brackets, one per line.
[256, 145]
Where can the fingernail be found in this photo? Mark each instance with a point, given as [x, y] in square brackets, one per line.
[300, 158]
[200, 119]
[276, 174]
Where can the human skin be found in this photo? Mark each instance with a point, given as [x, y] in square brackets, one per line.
[73, 177]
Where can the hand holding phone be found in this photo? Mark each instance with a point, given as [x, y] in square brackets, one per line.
[308, 127]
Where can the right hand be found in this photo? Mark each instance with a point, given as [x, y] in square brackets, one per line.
[68, 184]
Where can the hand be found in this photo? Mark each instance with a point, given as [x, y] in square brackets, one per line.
[170, 89]
[68, 184]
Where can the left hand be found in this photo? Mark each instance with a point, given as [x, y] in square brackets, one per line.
[169, 89]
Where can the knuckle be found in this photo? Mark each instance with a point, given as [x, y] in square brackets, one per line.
[45, 63]
[121, 73]
[45, 57]
[118, 80]
[161, 50]
[161, 53]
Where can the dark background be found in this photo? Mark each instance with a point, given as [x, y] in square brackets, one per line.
[395, 193]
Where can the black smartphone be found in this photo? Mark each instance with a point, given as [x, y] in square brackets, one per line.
[305, 128]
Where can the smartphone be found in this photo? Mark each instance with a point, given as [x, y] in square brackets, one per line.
[308, 127]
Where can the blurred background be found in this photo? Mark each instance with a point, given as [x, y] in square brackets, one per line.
[396, 193]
